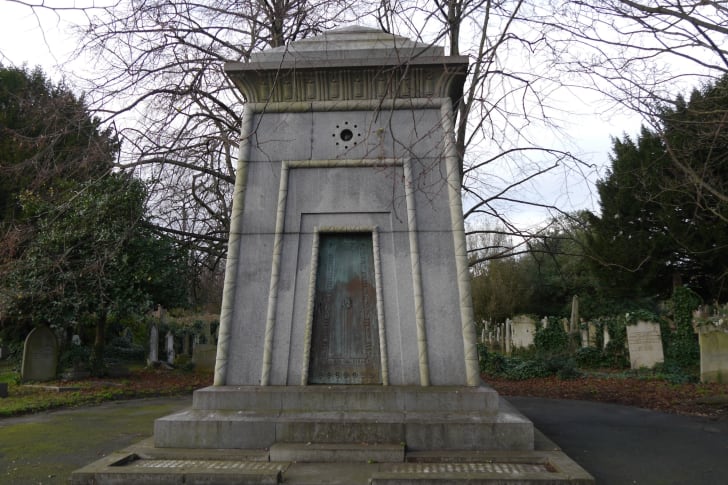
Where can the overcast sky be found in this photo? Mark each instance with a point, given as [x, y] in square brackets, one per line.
[42, 38]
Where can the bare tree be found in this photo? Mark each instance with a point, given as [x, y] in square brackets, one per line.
[157, 77]
[645, 55]
[506, 107]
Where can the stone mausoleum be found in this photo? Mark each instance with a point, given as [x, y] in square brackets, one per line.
[346, 333]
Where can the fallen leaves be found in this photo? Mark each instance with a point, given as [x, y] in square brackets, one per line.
[695, 399]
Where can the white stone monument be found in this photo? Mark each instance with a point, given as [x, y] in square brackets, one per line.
[346, 331]
[347, 262]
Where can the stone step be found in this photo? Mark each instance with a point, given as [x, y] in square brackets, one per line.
[505, 430]
[338, 452]
[482, 399]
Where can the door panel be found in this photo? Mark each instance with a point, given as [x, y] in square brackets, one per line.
[345, 333]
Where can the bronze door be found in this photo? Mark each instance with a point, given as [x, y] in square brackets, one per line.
[345, 333]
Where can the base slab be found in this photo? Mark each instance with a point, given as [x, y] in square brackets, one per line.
[143, 463]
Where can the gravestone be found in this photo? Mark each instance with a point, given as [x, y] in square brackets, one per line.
[574, 318]
[592, 328]
[203, 356]
[713, 353]
[644, 342]
[40, 355]
[169, 347]
[523, 331]
[153, 344]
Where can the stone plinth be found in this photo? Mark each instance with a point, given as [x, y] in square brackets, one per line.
[435, 418]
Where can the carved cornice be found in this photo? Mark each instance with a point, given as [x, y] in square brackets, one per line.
[432, 80]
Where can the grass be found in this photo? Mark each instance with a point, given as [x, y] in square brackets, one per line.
[142, 382]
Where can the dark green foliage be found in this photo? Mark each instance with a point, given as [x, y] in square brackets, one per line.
[47, 140]
[521, 368]
[589, 358]
[681, 345]
[93, 259]
[663, 204]
[75, 357]
[125, 350]
[616, 354]
[482, 355]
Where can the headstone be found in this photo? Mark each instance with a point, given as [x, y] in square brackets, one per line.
[40, 355]
[203, 356]
[592, 328]
[170, 348]
[523, 331]
[76, 340]
[607, 338]
[153, 344]
[509, 337]
[713, 353]
[574, 320]
[645, 345]
[584, 332]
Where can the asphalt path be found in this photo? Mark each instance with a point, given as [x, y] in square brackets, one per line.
[618, 445]
[627, 445]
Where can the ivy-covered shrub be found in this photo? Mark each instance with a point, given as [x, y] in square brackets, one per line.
[75, 357]
[683, 350]
[482, 355]
[615, 353]
[551, 339]
[589, 358]
[122, 349]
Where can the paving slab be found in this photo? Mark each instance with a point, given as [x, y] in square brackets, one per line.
[145, 463]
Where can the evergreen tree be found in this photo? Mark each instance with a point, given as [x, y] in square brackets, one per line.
[48, 141]
[664, 204]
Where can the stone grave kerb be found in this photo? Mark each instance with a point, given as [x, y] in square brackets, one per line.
[348, 132]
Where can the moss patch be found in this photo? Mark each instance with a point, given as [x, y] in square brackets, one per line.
[47, 448]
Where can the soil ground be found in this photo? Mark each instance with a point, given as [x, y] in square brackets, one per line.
[648, 393]
[643, 392]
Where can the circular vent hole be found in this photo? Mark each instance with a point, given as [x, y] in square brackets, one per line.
[346, 135]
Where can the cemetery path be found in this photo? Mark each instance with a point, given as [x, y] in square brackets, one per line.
[617, 444]
[627, 445]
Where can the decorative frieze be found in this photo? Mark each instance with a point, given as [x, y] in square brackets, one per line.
[295, 85]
